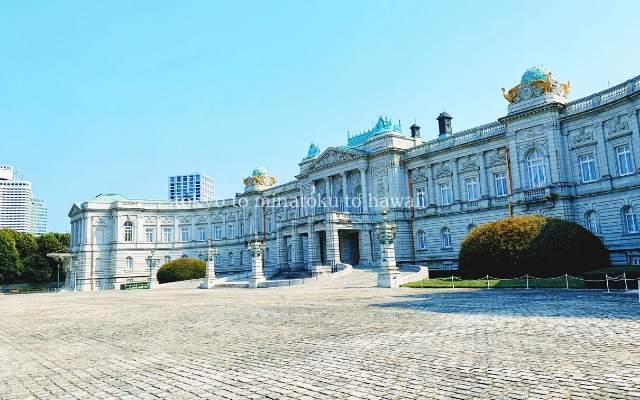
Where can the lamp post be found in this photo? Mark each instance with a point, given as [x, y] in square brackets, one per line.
[386, 233]
[256, 250]
[209, 256]
[151, 264]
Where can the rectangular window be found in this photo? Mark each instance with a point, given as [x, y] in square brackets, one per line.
[202, 234]
[472, 189]
[588, 168]
[445, 194]
[217, 233]
[501, 184]
[625, 162]
[184, 234]
[166, 235]
[421, 198]
[231, 230]
[148, 233]
[241, 230]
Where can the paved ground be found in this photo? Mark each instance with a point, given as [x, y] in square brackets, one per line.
[339, 339]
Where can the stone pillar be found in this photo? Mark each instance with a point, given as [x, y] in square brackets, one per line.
[387, 277]
[364, 191]
[365, 248]
[457, 193]
[312, 244]
[431, 189]
[209, 256]
[345, 193]
[256, 250]
[333, 245]
[484, 187]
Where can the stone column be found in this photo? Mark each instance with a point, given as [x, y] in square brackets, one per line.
[364, 191]
[431, 190]
[313, 251]
[209, 257]
[387, 277]
[365, 248]
[332, 245]
[345, 193]
[484, 187]
[457, 193]
[256, 250]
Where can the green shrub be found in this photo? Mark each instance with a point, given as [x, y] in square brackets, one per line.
[535, 245]
[181, 270]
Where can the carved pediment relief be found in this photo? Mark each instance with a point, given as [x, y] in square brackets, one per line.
[201, 219]
[616, 128]
[496, 158]
[149, 220]
[167, 220]
[419, 175]
[333, 156]
[582, 137]
[443, 171]
[184, 220]
[540, 144]
[469, 164]
[530, 132]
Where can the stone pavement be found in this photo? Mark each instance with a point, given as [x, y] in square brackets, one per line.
[342, 338]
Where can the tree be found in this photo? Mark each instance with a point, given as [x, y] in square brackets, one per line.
[49, 243]
[181, 270]
[534, 245]
[10, 267]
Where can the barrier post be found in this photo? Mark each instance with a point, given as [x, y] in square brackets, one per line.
[527, 275]
[624, 275]
[638, 290]
[487, 281]
[606, 277]
[566, 279]
[453, 286]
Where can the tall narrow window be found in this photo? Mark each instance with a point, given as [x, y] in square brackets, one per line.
[422, 240]
[231, 231]
[631, 220]
[535, 167]
[241, 233]
[129, 263]
[202, 234]
[128, 231]
[473, 193]
[217, 233]
[502, 189]
[269, 225]
[267, 254]
[446, 238]
[358, 203]
[184, 234]
[592, 222]
[587, 168]
[421, 198]
[166, 235]
[625, 161]
[148, 233]
[230, 259]
[445, 194]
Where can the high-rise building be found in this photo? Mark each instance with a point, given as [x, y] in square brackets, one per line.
[194, 187]
[19, 209]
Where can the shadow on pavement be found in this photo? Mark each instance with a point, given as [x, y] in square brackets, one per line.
[573, 303]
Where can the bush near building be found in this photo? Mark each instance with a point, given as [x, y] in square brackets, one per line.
[533, 245]
[181, 270]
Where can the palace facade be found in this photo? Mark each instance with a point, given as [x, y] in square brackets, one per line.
[578, 160]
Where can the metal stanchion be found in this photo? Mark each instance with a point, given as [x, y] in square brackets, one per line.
[527, 275]
[606, 277]
[453, 286]
[566, 279]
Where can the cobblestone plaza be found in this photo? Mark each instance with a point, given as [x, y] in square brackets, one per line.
[343, 338]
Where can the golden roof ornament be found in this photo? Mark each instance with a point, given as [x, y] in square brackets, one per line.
[535, 82]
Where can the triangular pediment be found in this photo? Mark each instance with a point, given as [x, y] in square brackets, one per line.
[75, 209]
[334, 156]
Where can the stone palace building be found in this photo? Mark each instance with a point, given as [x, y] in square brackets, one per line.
[578, 160]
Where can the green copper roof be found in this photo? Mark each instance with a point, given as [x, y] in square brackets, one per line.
[109, 198]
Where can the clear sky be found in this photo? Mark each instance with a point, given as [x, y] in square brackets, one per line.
[115, 96]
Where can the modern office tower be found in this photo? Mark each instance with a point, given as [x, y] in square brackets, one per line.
[38, 216]
[194, 187]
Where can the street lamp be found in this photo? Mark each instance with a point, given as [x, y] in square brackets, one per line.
[151, 264]
[208, 256]
[386, 233]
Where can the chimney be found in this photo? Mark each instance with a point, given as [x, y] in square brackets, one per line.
[415, 131]
[444, 125]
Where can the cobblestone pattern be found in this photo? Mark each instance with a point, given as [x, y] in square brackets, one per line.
[343, 338]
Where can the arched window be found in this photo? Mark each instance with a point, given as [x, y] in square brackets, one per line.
[241, 258]
[357, 201]
[267, 255]
[230, 258]
[269, 225]
[535, 169]
[128, 231]
[167, 259]
[289, 252]
[184, 256]
[340, 199]
[241, 233]
[422, 240]
[593, 224]
[470, 228]
[129, 263]
[446, 238]
[630, 220]
[322, 204]
[216, 259]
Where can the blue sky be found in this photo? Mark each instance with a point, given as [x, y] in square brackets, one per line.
[116, 96]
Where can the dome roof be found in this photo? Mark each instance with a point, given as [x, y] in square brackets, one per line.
[260, 171]
[534, 74]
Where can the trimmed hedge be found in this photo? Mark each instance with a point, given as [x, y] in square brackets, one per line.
[181, 270]
[534, 245]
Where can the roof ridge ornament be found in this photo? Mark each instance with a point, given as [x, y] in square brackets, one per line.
[535, 82]
[383, 125]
